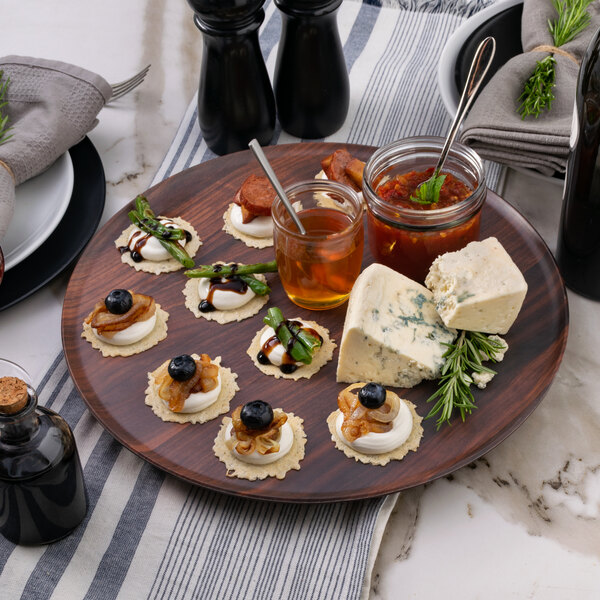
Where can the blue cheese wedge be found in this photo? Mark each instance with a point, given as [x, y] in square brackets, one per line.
[478, 288]
[392, 332]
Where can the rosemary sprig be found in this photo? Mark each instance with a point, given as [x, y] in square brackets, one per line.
[4, 129]
[537, 94]
[463, 357]
[428, 192]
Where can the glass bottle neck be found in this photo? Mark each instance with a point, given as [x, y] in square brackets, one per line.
[22, 425]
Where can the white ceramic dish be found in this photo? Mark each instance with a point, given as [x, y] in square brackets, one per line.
[40, 204]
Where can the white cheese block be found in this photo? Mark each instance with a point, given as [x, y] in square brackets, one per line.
[392, 332]
[478, 288]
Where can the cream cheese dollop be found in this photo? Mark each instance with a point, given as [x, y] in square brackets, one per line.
[151, 248]
[379, 443]
[223, 299]
[200, 400]
[259, 227]
[286, 439]
[321, 175]
[130, 335]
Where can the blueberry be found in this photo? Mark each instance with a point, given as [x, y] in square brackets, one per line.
[257, 414]
[372, 395]
[182, 368]
[118, 302]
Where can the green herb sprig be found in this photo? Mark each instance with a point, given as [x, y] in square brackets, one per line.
[4, 128]
[537, 94]
[463, 357]
[428, 192]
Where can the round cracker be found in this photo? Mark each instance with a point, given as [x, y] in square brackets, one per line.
[220, 406]
[321, 358]
[249, 240]
[162, 266]
[241, 470]
[192, 300]
[412, 443]
[156, 335]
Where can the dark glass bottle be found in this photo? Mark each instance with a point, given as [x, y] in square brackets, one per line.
[235, 98]
[312, 89]
[578, 252]
[42, 492]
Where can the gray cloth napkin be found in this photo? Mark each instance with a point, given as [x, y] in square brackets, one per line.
[495, 129]
[51, 107]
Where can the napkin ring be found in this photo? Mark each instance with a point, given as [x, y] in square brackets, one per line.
[2, 163]
[554, 50]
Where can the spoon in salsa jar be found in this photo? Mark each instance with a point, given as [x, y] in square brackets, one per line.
[268, 169]
[428, 192]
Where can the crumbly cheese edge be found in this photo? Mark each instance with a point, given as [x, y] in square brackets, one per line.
[249, 240]
[321, 358]
[229, 387]
[279, 469]
[412, 443]
[192, 299]
[163, 266]
[156, 335]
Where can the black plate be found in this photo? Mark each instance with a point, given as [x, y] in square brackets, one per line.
[74, 231]
[506, 28]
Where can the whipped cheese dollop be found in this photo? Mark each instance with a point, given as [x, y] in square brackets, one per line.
[260, 227]
[130, 335]
[286, 439]
[321, 175]
[200, 400]
[379, 443]
[150, 247]
[223, 299]
[277, 351]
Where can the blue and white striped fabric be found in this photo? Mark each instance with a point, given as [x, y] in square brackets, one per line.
[149, 535]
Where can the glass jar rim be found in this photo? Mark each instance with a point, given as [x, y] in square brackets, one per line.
[459, 152]
[315, 186]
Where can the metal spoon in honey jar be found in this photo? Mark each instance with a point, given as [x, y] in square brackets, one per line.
[428, 192]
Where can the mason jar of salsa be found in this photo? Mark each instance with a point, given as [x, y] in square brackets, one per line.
[408, 236]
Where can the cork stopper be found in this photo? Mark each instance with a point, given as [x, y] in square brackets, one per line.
[13, 395]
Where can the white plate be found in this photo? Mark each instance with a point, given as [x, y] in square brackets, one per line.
[40, 204]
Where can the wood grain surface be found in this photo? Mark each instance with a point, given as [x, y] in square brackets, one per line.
[113, 388]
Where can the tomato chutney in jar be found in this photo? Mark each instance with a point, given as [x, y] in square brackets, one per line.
[408, 236]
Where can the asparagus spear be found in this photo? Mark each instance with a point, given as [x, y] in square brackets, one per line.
[300, 346]
[232, 269]
[155, 227]
[256, 285]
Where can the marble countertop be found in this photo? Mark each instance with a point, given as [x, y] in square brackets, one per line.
[521, 522]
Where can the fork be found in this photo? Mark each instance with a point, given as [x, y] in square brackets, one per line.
[124, 87]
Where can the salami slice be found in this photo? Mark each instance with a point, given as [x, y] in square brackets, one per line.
[257, 195]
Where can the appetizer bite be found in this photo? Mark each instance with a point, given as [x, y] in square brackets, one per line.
[259, 442]
[226, 292]
[125, 323]
[190, 389]
[373, 425]
[292, 348]
[341, 166]
[157, 244]
[248, 218]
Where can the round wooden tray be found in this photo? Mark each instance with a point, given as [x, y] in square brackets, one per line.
[113, 388]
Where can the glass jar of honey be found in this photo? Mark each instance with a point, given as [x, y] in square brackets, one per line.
[405, 235]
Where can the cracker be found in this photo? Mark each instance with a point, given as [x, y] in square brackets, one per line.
[156, 335]
[322, 357]
[278, 469]
[163, 266]
[221, 405]
[249, 240]
[192, 299]
[412, 443]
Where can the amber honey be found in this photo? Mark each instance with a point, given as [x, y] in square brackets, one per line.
[318, 270]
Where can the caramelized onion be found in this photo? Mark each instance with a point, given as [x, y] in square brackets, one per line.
[264, 441]
[103, 321]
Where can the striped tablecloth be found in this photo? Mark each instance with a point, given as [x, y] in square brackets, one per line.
[149, 535]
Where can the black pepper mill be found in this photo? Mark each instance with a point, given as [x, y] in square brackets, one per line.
[235, 98]
[42, 492]
[578, 253]
[312, 89]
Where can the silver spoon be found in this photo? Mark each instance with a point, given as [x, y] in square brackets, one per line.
[479, 67]
[266, 166]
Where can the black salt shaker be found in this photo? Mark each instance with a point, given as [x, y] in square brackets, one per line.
[312, 89]
[235, 98]
[42, 492]
[578, 252]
